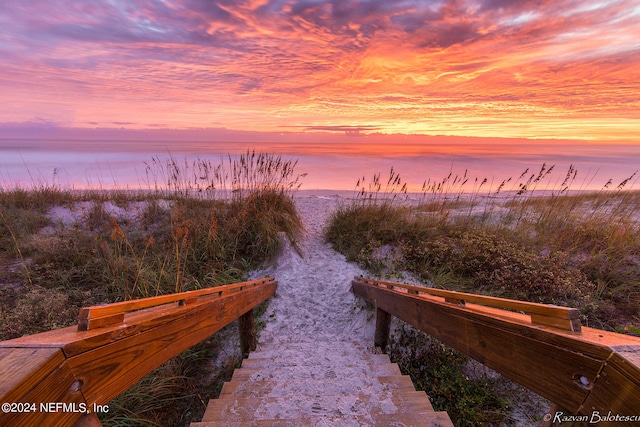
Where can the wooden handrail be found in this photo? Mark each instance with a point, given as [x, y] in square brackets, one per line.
[72, 372]
[581, 371]
[541, 314]
[111, 314]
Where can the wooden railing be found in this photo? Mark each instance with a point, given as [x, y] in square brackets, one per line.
[543, 347]
[63, 377]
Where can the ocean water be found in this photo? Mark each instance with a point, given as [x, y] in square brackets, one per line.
[85, 164]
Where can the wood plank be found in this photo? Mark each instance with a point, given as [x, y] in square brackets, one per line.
[94, 322]
[294, 372]
[556, 322]
[539, 359]
[88, 420]
[247, 330]
[617, 388]
[16, 364]
[124, 306]
[627, 360]
[74, 342]
[51, 381]
[525, 306]
[237, 409]
[112, 368]
[313, 387]
[597, 343]
[450, 300]
[78, 369]
[432, 419]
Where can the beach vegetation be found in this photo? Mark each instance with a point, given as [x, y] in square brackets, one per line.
[61, 250]
[532, 238]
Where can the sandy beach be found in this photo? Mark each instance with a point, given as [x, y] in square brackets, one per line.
[314, 299]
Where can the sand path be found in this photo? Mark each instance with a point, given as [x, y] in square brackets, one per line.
[314, 301]
[315, 352]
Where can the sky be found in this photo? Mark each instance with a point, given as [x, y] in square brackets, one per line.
[554, 69]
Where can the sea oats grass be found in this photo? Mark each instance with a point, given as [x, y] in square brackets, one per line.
[196, 228]
[534, 238]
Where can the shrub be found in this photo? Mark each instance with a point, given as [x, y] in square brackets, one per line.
[488, 263]
[575, 250]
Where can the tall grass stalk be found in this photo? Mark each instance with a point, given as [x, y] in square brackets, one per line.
[25, 268]
[234, 177]
[197, 225]
[534, 237]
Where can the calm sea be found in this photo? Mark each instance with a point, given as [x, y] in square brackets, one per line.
[335, 166]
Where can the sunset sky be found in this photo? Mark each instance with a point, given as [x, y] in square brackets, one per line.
[487, 68]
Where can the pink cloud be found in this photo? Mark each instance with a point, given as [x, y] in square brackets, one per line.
[453, 66]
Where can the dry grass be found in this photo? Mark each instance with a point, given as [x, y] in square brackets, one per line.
[535, 241]
[533, 238]
[116, 246]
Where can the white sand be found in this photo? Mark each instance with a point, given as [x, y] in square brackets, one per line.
[314, 299]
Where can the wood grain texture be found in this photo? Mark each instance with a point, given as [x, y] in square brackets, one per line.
[75, 342]
[38, 376]
[247, 329]
[383, 327]
[88, 420]
[560, 365]
[86, 323]
[112, 368]
[564, 317]
[94, 366]
[17, 363]
[620, 377]
[109, 311]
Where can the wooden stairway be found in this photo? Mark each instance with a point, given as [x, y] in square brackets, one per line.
[320, 384]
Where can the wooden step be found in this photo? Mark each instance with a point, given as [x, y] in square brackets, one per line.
[316, 349]
[239, 409]
[314, 387]
[299, 372]
[432, 419]
[320, 384]
[261, 362]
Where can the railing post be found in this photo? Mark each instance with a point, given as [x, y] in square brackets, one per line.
[247, 328]
[383, 326]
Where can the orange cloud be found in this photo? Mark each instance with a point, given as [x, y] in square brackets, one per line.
[456, 67]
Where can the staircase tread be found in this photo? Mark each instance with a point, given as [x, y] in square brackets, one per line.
[314, 386]
[334, 347]
[369, 359]
[319, 371]
[318, 384]
[292, 407]
[433, 419]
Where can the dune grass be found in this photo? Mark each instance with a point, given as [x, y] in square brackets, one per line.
[111, 246]
[531, 238]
